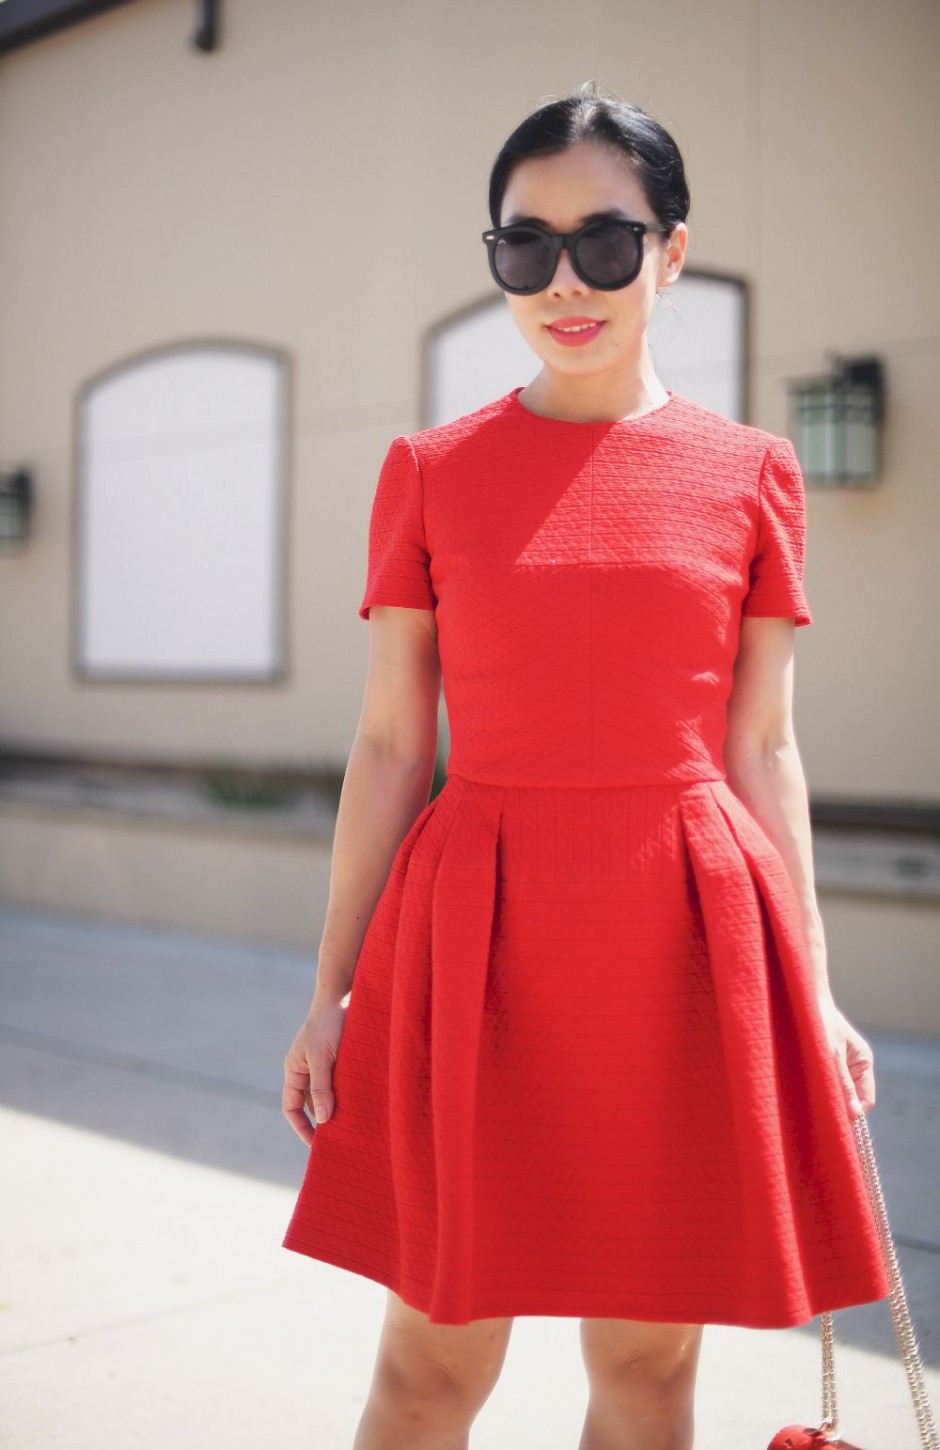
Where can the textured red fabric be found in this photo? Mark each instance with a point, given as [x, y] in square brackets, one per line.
[583, 1071]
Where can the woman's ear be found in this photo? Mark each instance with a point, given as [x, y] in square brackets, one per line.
[674, 249]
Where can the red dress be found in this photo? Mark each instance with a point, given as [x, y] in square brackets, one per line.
[583, 1071]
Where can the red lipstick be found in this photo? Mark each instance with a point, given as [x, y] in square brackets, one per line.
[586, 329]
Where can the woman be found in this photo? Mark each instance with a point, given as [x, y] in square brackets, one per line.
[591, 1064]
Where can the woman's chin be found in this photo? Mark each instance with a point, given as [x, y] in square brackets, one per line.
[577, 367]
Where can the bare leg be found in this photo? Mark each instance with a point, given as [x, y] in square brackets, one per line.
[642, 1384]
[430, 1380]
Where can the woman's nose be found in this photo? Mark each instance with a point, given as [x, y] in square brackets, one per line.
[566, 278]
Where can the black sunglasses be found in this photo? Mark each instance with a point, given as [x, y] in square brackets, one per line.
[606, 254]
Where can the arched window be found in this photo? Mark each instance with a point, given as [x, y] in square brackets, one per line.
[180, 505]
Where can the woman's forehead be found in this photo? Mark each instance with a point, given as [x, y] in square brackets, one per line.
[571, 186]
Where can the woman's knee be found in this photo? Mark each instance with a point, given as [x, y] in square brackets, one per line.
[444, 1370]
[635, 1359]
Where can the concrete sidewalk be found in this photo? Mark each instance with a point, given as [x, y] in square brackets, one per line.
[149, 1176]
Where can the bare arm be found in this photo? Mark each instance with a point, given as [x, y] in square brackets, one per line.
[387, 781]
[766, 773]
[386, 784]
[764, 766]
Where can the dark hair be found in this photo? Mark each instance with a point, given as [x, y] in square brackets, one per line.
[593, 115]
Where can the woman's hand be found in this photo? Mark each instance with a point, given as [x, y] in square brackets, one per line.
[308, 1067]
[853, 1057]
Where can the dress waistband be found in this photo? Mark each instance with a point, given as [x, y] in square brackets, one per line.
[665, 783]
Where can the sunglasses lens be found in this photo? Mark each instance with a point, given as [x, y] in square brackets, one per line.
[609, 254]
[523, 259]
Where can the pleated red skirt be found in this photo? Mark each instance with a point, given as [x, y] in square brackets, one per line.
[583, 1072]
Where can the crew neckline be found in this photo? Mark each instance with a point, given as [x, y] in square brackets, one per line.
[586, 423]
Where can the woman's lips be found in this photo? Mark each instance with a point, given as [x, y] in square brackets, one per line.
[588, 327]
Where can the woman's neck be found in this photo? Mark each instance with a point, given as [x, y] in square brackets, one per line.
[600, 398]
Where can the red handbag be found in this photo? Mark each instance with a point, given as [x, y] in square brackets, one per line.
[802, 1437]
[797, 1437]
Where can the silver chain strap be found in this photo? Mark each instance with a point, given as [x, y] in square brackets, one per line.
[907, 1340]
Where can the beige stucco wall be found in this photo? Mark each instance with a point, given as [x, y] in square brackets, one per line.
[151, 193]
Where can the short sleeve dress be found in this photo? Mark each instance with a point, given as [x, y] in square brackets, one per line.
[583, 1070]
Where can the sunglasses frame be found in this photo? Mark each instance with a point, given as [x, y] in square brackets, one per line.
[568, 241]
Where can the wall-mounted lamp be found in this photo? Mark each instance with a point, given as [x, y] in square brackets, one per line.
[206, 34]
[16, 499]
[838, 422]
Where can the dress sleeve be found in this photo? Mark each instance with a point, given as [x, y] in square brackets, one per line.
[398, 570]
[776, 566]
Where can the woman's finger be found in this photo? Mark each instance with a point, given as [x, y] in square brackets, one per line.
[862, 1072]
[853, 1058]
[321, 1088]
[852, 1099]
[296, 1083]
